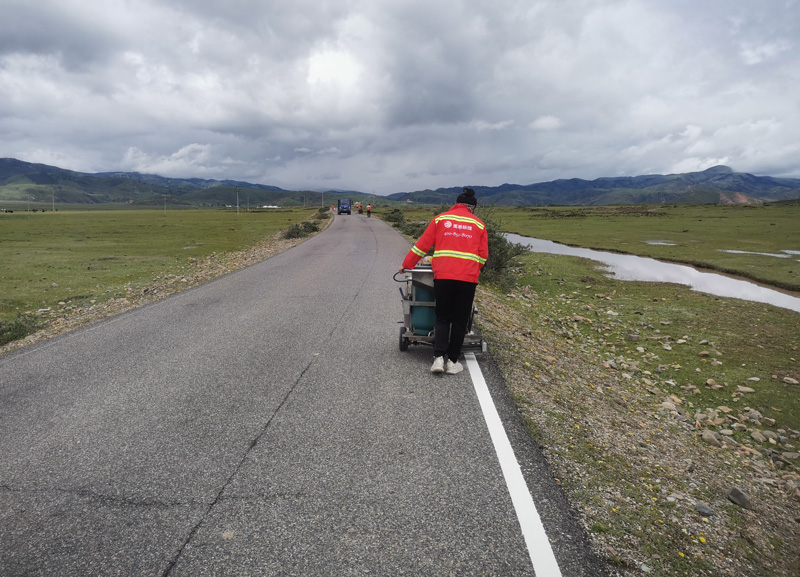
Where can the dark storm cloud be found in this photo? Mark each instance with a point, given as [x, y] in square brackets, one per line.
[385, 96]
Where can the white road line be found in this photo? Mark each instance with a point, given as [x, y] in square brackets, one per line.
[539, 549]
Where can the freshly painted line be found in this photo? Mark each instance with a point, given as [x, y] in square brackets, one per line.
[539, 549]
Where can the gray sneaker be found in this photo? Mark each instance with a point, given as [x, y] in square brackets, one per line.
[453, 368]
[438, 365]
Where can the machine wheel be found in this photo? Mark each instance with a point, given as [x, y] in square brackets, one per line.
[403, 339]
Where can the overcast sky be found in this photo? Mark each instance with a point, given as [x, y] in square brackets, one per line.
[399, 95]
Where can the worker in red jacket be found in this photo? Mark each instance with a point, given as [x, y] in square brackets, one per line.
[461, 249]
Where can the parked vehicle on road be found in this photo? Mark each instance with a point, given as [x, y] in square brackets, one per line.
[344, 206]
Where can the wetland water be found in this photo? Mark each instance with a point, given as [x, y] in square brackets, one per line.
[638, 268]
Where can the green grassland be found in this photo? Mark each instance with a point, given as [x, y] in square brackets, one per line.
[663, 329]
[692, 234]
[689, 234]
[590, 360]
[757, 340]
[51, 257]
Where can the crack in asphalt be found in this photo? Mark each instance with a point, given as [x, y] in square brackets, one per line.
[173, 562]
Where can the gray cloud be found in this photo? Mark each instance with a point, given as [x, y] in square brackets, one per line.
[387, 96]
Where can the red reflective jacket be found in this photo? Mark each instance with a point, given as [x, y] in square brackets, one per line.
[462, 245]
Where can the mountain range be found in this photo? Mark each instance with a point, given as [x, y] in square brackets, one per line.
[23, 181]
[716, 185]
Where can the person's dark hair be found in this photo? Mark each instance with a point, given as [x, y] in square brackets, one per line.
[467, 197]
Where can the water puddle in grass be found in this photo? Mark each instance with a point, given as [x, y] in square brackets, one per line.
[638, 268]
[782, 254]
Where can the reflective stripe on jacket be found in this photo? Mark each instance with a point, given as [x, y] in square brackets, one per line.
[461, 245]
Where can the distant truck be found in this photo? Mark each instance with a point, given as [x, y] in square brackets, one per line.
[344, 206]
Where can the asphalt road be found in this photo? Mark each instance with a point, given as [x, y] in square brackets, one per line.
[265, 423]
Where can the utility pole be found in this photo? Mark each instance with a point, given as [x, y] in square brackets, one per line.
[237, 200]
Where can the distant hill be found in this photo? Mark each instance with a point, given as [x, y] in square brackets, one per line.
[717, 185]
[21, 181]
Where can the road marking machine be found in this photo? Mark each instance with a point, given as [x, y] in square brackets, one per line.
[419, 311]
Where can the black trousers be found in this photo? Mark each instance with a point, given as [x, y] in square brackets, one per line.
[453, 309]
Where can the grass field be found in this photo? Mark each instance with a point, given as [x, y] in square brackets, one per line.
[591, 361]
[692, 234]
[758, 340]
[664, 328]
[71, 256]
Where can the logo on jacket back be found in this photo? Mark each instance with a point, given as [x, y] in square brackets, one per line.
[457, 226]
